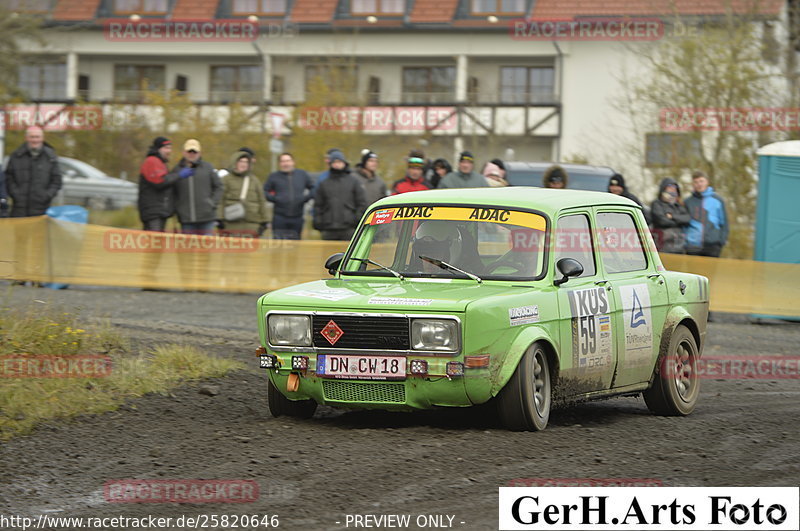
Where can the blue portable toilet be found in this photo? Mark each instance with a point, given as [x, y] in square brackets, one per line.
[777, 213]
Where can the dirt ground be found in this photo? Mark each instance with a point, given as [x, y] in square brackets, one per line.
[313, 473]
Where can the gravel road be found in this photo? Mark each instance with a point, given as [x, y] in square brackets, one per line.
[312, 474]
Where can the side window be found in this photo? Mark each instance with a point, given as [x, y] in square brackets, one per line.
[621, 248]
[574, 240]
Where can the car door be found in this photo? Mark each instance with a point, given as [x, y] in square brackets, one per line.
[639, 293]
[585, 308]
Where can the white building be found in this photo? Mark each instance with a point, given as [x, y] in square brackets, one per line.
[466, 73]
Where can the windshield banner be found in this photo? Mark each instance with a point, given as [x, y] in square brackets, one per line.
[485, 214]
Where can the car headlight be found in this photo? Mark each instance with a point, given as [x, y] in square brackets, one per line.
[434, 334]
[289, 330]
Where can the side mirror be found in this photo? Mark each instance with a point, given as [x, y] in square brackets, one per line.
[569, 267]
[333, 262]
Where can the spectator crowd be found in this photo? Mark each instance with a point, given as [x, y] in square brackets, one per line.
[233, 202]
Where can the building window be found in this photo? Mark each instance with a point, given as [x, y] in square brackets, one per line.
[433, 84]
[527, 84]
[132, 81]
[672, 149]
[141, 7]
[498, 7]
[47, 81]
[341, 81]
[377, 7]
[242, 83]
[278, 90]
[28, 6]
[259, 7]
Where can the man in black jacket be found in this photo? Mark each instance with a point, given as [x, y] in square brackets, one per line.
[33, 178]
[155, 186]
[339, 202]
[288, 190]
[197, 192]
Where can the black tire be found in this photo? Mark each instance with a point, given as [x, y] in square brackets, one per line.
[524, 403]
[675, 386]
[279, 405]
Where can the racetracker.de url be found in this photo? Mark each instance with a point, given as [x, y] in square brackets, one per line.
[200, 521]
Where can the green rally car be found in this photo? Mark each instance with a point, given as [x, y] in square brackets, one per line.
[521, 296]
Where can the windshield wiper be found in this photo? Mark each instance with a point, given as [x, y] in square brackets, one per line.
[373, 262]
[445, 265]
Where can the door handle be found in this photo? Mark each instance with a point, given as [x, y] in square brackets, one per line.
[656, 275]
[605, 283]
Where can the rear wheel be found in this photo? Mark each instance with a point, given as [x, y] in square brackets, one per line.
[279, 405]
[524, 403]
[675, 385]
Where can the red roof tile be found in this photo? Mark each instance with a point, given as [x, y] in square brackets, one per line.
[75, 9]
[313, 10]
[433, 11]
[195, 9]
[574, 8]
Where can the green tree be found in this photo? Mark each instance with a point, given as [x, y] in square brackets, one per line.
[14, 28]
[728, 64]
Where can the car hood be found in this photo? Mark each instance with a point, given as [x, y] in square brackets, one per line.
[423, 295]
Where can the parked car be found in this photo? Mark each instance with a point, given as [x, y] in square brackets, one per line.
[519, 296]
[581, 176]
[85, 185]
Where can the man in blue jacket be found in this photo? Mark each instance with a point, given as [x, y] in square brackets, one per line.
[288, 190]
[707, 232]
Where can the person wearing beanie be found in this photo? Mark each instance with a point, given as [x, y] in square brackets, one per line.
[339, 201]
[254, 215]
[156, 202]
[670, 216]
[288, 189]
[366, 172]
[616, 186]
[414, 180]
[494, 174]
[197, 192]
[466, 176]
[555, 177]
[440, 168]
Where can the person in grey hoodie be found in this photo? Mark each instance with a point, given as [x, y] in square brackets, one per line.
[669, 216]
[367, 174]
[198, 192]
[466, 176]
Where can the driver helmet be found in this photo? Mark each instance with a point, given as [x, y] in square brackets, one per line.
[437, 239]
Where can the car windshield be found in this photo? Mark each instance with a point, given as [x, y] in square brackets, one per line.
[487, 242]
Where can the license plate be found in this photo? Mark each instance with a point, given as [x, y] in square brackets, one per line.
[362, 367]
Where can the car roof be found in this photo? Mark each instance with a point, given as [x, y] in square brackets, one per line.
[529, 197]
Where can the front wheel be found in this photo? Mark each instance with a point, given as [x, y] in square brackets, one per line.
[524, 403]
[675, 385]
[279, 405]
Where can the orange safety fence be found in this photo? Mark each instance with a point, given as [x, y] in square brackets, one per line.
[43, 249]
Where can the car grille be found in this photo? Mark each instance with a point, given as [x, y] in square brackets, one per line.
[364, 332]
[382, 393]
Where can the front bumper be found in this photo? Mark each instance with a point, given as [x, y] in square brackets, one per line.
[413, 392]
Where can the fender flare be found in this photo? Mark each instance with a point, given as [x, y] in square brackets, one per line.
[675, 317]
[523, 341]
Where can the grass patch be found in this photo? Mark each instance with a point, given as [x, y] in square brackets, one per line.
[35, 336]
